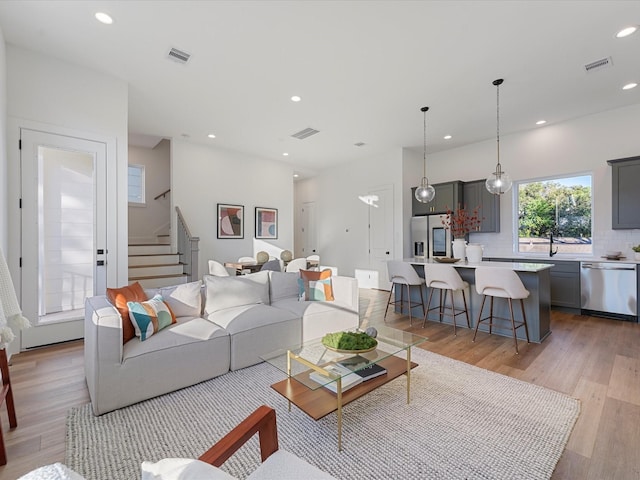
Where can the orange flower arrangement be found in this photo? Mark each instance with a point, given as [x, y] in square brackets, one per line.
[462, 221]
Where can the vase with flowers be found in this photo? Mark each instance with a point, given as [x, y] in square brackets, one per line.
[460, 223]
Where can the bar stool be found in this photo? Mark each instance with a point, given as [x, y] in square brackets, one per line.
[446, 279]
[504, 283]
[403, 274]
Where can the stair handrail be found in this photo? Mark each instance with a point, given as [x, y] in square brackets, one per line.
[163, 194]
[187, 247]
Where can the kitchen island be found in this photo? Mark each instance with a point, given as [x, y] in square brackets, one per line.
[534, 276]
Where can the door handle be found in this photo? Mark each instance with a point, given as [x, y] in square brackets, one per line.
[387, 253]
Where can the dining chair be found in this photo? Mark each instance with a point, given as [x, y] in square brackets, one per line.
[217, 269]
[296, 265]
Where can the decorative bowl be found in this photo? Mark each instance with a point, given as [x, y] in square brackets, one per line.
[446, 259]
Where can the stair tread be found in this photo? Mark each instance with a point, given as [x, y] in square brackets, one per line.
[151, 254]
[150, 277]
[158, 265]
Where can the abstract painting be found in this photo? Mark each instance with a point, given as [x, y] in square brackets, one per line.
[230, 221]
[266, 222]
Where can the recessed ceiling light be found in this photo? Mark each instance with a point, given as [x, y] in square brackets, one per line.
[285, 154]
[447, 137]
[626, 31]
[104, 18]
[541, 122]
[211, 135]
[629, 86]
[295, 175]
[295, 98]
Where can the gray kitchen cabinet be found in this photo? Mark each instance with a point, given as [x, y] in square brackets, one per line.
[565, 280]
[475, 194]
[448, 197]
[625, 178]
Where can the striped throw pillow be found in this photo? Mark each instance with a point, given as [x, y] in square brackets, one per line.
[150, 317]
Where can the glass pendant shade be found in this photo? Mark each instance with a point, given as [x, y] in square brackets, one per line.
[425, 192]
[499, 182]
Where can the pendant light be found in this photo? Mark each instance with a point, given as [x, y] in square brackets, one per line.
[425, 192]
[499, 182]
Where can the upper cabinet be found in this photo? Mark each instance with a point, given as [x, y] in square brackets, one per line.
[448, 197]
[625, 176]
[475, 194]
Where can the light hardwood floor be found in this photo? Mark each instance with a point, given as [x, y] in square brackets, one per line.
[596, 360]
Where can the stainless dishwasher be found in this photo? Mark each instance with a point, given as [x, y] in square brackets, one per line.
[609, 289]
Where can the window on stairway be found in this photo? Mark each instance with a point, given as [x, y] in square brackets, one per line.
[136, 185]
[560, 206]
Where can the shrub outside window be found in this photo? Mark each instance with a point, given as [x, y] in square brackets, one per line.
[560, 207]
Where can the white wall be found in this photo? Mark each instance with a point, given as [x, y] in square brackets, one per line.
[343, 219]
[204, 176]
[4, 196]
[577, 146]
[152, 219]
[56, 96]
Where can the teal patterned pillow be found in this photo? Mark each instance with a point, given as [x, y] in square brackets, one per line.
[150, 317]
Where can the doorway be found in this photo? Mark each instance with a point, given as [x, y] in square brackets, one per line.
[63, 233]
[380, 233]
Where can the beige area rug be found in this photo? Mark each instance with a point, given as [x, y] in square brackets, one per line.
[463, 423]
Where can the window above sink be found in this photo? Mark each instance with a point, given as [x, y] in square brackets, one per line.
[554, 216]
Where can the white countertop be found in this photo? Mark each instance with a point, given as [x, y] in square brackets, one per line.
[516, 266]
[568, 258]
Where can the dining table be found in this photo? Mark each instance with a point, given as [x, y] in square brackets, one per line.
[244, 267]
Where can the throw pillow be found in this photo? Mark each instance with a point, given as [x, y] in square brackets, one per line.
[150, 317]
[316, 286]
[236, 291]
[119, 298]
[184, 300]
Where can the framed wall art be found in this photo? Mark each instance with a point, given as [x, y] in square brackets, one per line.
[266, 223]
[230, 221]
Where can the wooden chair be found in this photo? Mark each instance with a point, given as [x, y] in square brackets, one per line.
[262, 421]
[6, 395]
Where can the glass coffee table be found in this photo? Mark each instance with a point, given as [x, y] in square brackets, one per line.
[313, 385]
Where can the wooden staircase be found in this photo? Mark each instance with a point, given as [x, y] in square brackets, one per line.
[155, 265]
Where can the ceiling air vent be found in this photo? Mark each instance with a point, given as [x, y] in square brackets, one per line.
[360, 144]
[178, 56]
[598, 65]
[307, 132]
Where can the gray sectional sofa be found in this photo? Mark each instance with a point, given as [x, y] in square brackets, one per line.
[223, 323]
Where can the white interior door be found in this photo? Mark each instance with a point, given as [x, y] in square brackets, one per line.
[309, 229]
[381, 233]
[63, 237]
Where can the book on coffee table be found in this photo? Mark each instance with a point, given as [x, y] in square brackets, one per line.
[363, 367]
[349, 379]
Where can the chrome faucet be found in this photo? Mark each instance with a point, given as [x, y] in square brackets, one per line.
[551, 251]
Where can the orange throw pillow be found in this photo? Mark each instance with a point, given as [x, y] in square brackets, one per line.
[119, 298]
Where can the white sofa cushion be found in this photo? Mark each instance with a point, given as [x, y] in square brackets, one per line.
[283, 465]
[186, 330]
[249, 317]
[185, 300]
[228, 292]
[182, 469]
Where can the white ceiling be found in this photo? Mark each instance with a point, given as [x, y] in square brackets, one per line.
[362, 68]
